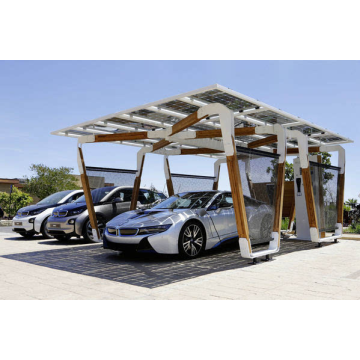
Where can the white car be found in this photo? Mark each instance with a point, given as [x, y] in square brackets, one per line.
[32, 219]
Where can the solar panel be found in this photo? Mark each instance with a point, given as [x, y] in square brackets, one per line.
[165, 113]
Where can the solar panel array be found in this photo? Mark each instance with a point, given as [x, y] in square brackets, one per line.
[165, 113]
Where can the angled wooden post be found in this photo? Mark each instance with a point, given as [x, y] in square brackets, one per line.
[136, 189]
[169, 183]
[217, 166]
[238, 197]
[88, 197]
[279, 197]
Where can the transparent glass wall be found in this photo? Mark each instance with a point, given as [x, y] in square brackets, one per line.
[182, 183]
[259, 173]
[100, 177]
[325, 187]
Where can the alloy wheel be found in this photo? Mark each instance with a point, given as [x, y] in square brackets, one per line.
[101, 227]
[192, 240]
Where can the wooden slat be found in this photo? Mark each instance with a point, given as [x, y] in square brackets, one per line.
[296, 150]
[139, 135]
[136, 188]
[160, 144]
[238, 197]
[179, 126]
[279, 197]
[183, 124]
[262, 142]
[340, 198]
[309, 198]
[169, 183]
[88, 197]
[199, 151]
[204, 134]
[207, 134]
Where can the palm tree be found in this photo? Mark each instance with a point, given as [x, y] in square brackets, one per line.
[351, 202]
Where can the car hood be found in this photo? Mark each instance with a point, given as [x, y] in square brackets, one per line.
[72, 206]
[36, 207]
[151, 217]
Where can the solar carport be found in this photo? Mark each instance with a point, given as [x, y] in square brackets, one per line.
[251, 137]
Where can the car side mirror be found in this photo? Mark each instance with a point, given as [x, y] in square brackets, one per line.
[212, 208]
[117, 200]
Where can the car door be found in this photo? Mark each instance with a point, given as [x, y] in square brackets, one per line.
[118, 207]
[223, 216]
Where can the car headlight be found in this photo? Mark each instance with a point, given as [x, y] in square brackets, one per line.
[149, 230]
[76, 212]
[36, 212]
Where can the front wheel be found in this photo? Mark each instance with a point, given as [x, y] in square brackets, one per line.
[27, 234]
[191, 240]
[87, 233]
[44, 231]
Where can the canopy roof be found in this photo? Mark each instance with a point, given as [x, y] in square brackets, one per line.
[165, 113]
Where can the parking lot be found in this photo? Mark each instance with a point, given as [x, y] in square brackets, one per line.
[48, 269]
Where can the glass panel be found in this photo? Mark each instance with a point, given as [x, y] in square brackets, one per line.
[325, 187]
[100, 177]
[258, 171]
[183, 183]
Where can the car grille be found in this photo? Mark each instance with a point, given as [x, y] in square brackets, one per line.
[60, 213]
[25, 213]
[128, 231]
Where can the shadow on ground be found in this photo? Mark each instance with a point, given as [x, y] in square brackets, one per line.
[146, 270]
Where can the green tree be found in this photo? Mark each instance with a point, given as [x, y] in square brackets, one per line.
[18, 200]
[351, 202]
[47, 180]
[289, 168]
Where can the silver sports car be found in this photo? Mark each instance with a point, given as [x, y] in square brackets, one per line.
[186, 224]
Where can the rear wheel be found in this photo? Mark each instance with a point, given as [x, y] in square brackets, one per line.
[191, 240]
[87, 232]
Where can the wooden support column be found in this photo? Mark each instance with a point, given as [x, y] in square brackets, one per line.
[238, 197]
[309, 197]
[88, 197]
[292, 215]
[279, 198]
[340, 199]
[135, 193]
[169, 183]
[216, 181]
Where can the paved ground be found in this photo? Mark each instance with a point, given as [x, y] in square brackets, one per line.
[49, 269]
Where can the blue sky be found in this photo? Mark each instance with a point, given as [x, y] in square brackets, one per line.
[37, 97]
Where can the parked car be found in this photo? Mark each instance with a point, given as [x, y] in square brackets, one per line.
[71, 220]
[187, 224]
[31, 220]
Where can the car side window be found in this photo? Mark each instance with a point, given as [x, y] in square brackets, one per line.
[116, 194]
[226, 201]
[127, 194]
[74, 197]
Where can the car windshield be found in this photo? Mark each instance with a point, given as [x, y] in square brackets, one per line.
[162, 196]
[97, 194]
[54, 198]
[191, 200]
